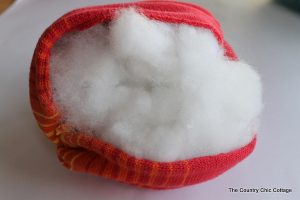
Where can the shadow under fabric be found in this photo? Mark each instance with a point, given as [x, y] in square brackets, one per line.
[86, 153]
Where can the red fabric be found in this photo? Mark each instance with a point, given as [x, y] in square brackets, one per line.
[86, 153]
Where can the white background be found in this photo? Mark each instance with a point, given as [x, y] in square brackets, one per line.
[262, 33]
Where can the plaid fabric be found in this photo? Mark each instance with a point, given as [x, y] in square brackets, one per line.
[86, 153]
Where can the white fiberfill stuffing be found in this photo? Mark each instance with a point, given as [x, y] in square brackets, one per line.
[155, 90]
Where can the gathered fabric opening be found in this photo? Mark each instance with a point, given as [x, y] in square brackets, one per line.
[158, 91]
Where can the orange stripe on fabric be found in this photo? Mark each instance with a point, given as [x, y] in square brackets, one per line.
[90, 162]
[82, 161]
[47, 43]
[153, 173]
[66, 22]
[122, 175]
[62, 138]
[137, 171]
[52, 138]
[48, 129]
[56, 141]
[63, 128]
[130, 166]
[122, 162]
[115, 171]
[48, 125]
[186, 174]
[51, 133]
[147, 168]
[44, 116]
[169, 174]
[95, 165]
[67, 154]
[74, 159]
[67, 139]
[123, 159]
[108, 170]
[78, 140]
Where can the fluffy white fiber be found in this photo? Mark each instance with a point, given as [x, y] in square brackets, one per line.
[155, 90]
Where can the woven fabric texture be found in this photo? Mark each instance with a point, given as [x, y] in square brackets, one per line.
[85, 153]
